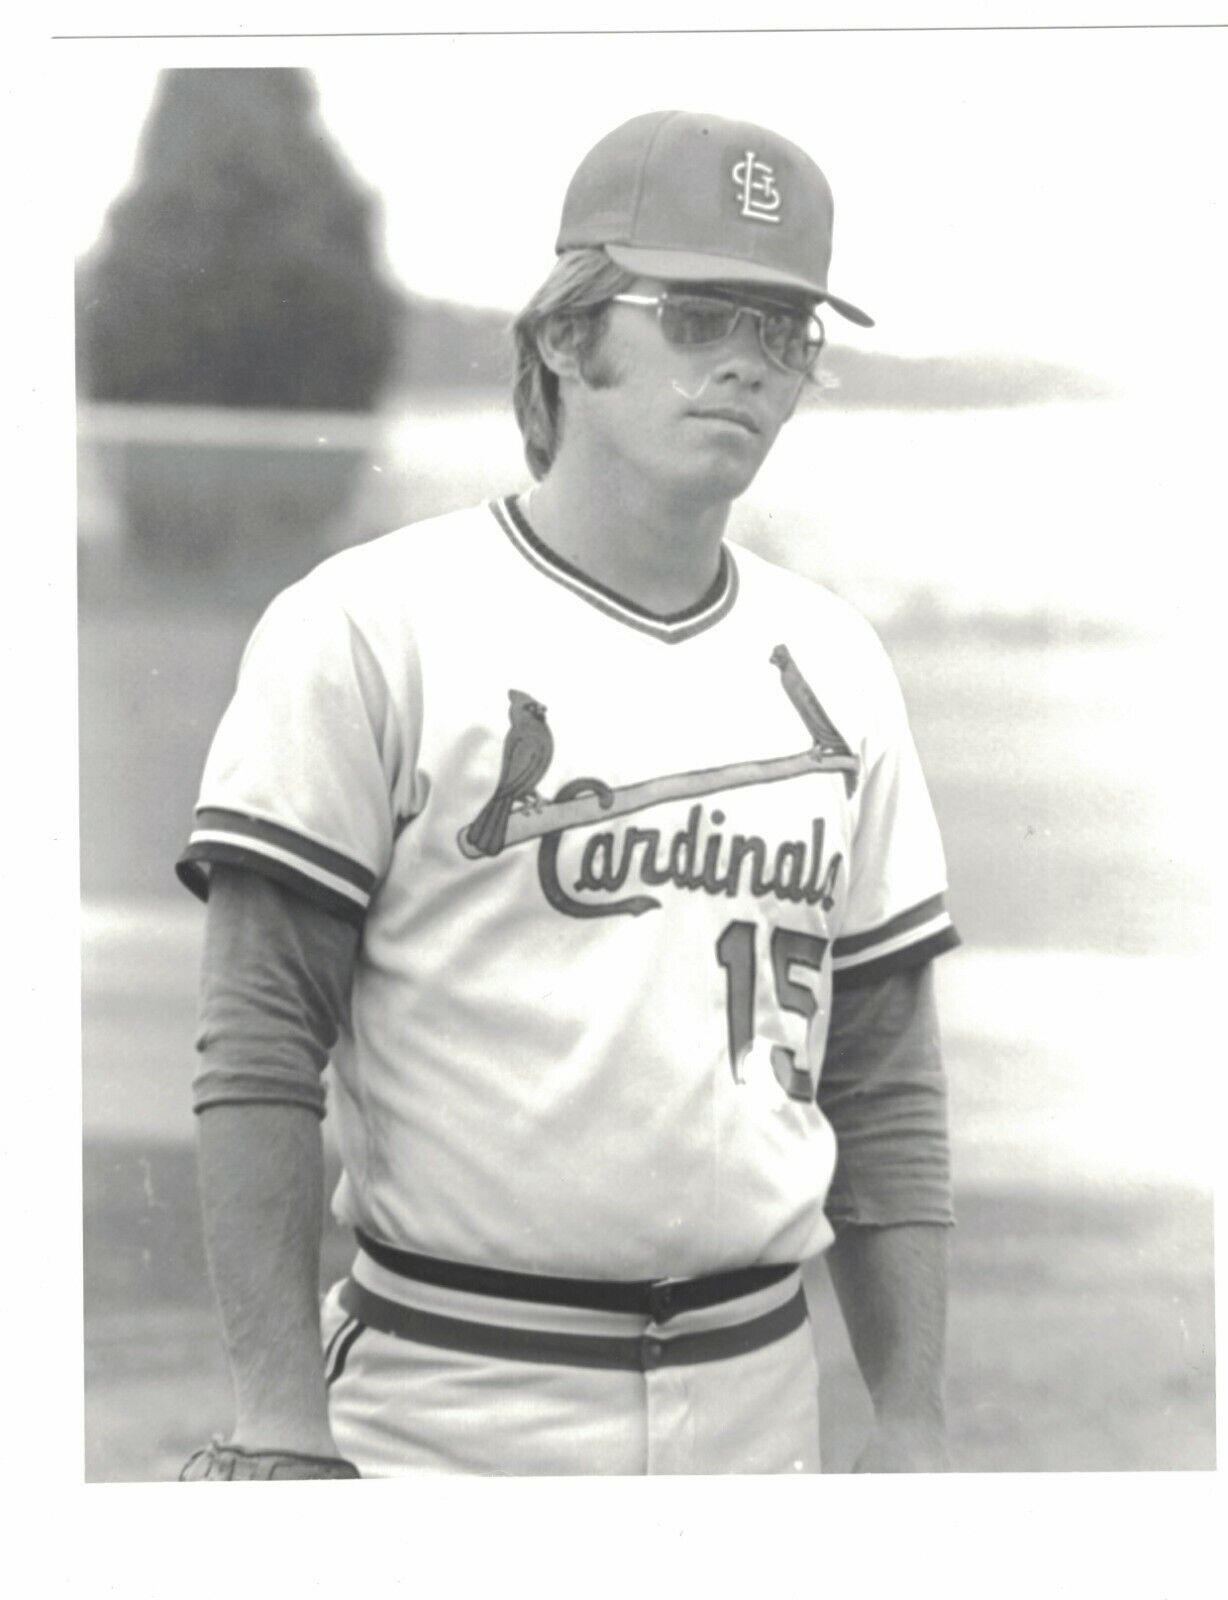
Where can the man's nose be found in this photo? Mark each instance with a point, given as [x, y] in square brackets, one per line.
[741, 353]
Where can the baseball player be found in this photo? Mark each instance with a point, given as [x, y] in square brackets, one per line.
[596, 857]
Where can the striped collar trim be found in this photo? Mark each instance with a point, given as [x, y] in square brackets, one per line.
[705, 613]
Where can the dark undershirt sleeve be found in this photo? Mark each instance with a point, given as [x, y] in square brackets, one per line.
[884, 1091]
[275, 986]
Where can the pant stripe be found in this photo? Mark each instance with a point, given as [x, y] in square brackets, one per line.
[337, 1334]
[342, 1344]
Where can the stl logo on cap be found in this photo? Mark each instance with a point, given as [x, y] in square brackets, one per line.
[757, 193]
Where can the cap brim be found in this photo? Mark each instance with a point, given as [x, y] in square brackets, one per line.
[685, 266]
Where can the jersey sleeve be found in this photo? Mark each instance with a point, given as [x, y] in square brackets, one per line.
[308, 770]
[896, 912]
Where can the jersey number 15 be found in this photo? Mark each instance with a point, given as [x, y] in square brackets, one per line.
[735, 950]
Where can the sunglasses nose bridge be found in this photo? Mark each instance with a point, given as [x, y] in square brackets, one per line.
[752, 336]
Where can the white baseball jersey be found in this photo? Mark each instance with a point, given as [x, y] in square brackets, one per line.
[606, 866]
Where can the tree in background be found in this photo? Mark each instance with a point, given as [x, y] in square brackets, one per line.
[239, 269]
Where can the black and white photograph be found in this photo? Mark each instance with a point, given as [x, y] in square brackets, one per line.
[645, 718]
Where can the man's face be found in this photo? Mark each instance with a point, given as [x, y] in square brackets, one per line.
[696, 420]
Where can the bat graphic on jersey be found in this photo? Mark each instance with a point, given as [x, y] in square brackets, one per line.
[820, 726]
[527, 752]
[516, 812]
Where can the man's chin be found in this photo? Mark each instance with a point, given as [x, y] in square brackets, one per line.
[730, 481]
[722, 477]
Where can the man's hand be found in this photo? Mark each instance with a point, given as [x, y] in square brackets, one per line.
[227, 1463]
[905, 1445]
[891, 1283]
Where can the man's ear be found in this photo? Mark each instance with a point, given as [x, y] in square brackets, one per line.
[558, 343]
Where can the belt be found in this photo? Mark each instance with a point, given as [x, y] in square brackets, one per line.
[643, 1353]
[659, 1298]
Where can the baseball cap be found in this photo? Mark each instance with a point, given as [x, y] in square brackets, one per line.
[691, 198]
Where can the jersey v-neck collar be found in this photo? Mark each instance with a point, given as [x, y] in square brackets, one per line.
[672, 629]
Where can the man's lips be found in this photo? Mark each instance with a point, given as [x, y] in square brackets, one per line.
[735, 414]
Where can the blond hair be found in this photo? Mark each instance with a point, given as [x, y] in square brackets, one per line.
[577, 292]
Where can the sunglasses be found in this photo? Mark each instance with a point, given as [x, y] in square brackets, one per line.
[790, 338]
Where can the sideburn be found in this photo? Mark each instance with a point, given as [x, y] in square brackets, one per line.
[598, 368]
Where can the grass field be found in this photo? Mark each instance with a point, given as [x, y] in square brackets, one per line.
[1082, 1318]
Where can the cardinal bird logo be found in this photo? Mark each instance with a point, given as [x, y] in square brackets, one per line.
[528, 750]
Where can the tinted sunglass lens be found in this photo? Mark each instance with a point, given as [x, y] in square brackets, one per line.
[792, 340]
[691, 319]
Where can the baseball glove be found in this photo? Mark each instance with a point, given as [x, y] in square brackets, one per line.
[230, 1463]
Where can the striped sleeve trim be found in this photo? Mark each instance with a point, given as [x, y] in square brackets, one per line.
[322, 876]
[898, 959]
[924, 929]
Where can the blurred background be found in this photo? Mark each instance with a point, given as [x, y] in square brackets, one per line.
[293, 287]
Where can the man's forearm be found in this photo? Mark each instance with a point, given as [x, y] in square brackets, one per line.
[891, 1283]
[262, 1184]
